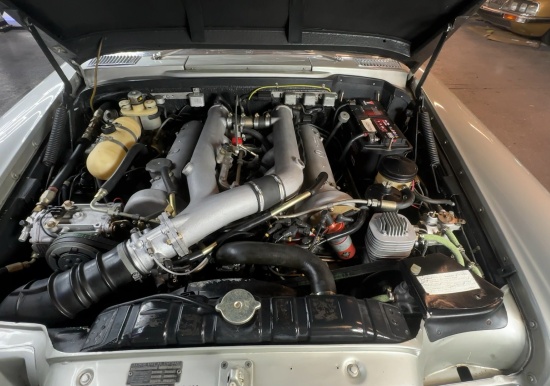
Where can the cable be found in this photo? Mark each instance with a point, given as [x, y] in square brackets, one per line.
[163, 296]
[357, 224]
[199, 267]
[95, 74]
[434, 201]
[349, 144]
[287, 86]
[330, 206]
[41, 222]
[335, 117]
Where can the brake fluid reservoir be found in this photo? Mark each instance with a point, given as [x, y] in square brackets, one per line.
[144, 111]
[112, 146]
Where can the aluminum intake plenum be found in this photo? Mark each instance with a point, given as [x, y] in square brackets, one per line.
[209, 210]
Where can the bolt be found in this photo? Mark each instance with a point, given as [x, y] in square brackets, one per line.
[238, 304]
[50, 224]
[224, 365]
[532, 324]
[531, 378]
[86, 378]
[15, 176]
[488, 322]
[353, 370]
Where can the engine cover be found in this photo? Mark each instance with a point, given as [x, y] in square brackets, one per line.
[334, 319]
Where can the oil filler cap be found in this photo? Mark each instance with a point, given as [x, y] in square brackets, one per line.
[238, 306]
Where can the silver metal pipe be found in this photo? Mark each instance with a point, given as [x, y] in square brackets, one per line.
[209, 212]
[201, 169]
[181, 151]
[288, 165]
[150, 202]
[316, 161]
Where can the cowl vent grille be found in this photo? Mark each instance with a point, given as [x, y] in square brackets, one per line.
[116, 60]
[378, 63]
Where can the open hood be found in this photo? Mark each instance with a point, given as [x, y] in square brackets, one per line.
[403, 30]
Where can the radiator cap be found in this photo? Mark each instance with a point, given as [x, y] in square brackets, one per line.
[238, 306]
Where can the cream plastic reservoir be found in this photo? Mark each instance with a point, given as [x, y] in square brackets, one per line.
[144, 111]
[112, 147]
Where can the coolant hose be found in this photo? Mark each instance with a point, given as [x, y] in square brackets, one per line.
[408, 201]
[123, 167]
[435, 201]
[473, 266]
[258, 136]
[65, 294]
[446, 243]
[289, 256]
[56, 134]
[428, 132]
[70, 165]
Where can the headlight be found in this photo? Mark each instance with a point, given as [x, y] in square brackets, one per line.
[525, 7]
[532, 9]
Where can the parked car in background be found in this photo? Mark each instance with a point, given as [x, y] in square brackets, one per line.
[272, 193]
[526, 18]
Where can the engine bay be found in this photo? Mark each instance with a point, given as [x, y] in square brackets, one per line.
[285, 213]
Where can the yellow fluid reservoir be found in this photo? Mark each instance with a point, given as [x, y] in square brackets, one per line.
[112, 147]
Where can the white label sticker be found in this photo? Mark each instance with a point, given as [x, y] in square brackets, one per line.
[448, 282]
[368, 125]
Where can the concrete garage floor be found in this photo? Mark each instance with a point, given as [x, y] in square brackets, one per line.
[506, 86]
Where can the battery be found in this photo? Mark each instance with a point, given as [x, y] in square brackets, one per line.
[384, 138]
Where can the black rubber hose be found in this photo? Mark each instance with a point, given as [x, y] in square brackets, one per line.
[349, 145]
[333, 133]
[65, 294]
[289, 256]
[259, 136]
[435, 201]
[70, 165]
[428, 132]
[407, 201]
[56, 134]
[357, 224]
[123, 167]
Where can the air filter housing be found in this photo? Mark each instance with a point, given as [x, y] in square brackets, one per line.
[390, 236]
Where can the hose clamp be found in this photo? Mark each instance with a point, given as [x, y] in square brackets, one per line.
[122, 254]
[282, 193]
[259, 195]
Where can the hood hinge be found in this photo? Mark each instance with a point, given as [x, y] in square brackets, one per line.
[433, 58]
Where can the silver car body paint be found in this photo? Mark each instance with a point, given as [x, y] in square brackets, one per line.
[24, 127]
[28, 345]
[517, 223]
[514, 209]
[235, 63]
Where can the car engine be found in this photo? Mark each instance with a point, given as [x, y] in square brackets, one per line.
[276, 214]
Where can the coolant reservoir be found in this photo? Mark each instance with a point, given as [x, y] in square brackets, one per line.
[144, 111]
[112, 146]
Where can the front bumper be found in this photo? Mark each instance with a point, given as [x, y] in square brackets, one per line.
[534, 26]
